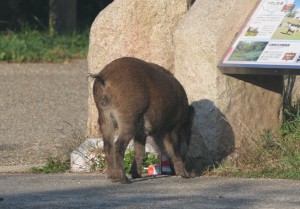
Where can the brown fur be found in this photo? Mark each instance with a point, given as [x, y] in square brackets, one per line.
[136, 99]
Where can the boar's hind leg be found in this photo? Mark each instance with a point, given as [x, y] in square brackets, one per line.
[127, 131]
[107, 130]
[139, 148]
[171, 145]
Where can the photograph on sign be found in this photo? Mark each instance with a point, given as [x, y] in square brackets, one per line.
[270, 39]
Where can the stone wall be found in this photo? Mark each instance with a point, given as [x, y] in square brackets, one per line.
[139, 28]
[229, 109]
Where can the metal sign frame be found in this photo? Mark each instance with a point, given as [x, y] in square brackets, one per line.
[269, 43]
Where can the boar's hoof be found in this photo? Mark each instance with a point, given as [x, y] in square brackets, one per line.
[117, 177]
[185, 174]
[136, 175]
[123, 180]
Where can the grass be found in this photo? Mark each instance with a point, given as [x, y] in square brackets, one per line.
[267, 156]
[54, 165]
[30, 45]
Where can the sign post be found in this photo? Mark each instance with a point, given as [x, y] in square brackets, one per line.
[269, 43]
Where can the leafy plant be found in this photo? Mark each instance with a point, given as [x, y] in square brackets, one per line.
[54, 165]
[149, 159]
[128, 159]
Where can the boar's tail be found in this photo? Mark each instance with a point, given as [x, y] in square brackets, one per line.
[96, 77]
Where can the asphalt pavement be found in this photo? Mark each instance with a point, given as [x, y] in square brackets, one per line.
[43, 110]
[76, 191]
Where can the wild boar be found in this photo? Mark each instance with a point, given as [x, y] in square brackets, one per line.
[136, 99]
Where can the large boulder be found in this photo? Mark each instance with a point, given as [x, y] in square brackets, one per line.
[139, 28]
[229, 109]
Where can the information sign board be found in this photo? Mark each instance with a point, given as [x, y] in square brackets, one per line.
[269, 40]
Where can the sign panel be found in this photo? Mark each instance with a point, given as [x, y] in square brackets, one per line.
[270, 39]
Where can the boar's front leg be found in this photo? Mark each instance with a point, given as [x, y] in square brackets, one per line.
[171, 145]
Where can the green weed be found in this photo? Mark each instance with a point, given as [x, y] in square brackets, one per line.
[149, 159]
[128, 159]
[54, 165]
[30, 45]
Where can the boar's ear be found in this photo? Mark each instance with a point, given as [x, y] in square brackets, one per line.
[101, 80]
[98, 77]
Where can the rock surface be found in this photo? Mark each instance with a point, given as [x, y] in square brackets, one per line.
[229, 109]
[138, 28]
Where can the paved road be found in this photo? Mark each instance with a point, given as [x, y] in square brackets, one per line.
[43, 110]
[91, 191]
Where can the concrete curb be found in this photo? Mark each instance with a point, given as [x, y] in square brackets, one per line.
[17, 168]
